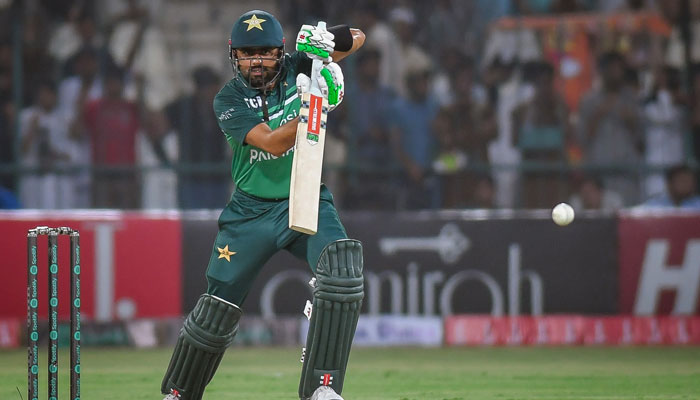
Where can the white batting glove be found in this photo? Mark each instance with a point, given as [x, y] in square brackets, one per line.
[303, 84]
[316, 42]
[332, 85]
[331, 82]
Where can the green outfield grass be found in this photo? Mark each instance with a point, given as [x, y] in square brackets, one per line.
[400, 374]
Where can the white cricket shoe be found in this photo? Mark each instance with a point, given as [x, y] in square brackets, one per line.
[174, 395]
[325, 393]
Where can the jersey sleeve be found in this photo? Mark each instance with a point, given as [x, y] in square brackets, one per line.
[234, 116]
[300, 62]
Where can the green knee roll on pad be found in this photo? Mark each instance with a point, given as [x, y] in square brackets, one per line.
[336, 308]
[208, 330]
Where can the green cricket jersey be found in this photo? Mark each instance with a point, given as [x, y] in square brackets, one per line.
[239, 109]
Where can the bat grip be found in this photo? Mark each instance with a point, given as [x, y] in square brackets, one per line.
[316, 66]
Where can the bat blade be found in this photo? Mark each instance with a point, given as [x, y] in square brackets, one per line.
[305, 184]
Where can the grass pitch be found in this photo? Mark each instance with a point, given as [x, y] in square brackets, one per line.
[397, 374]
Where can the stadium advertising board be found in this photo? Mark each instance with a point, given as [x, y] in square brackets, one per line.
[659, 264]
[392, 330]
[442, 263]
[416, 264]
[484, 330]
[130, 264]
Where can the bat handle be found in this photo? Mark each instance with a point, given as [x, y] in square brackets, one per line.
[316, 65]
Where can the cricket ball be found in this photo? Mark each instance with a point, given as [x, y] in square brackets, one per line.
[562, 214]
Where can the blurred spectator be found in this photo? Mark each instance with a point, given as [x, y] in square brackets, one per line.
[681, 188]
[474, 117]
[450, 163]
[85, 83]
[46, 148]
[479, 16]
[301, 12]
[200, 142]
[610, 128]
[509, 48]
[541, 130]
[111, 124]
[413, 141]
[676, 12]
[442, 29]
[380, 36]
[368, 103]
[591, 195]
[138, 47]
[112, 11]
[452, 64]
[36, 66]
[464, 132]
[156, 151]
[410, 56]
[666, 125]
[77, 32]
[506, 91]
[74, 93]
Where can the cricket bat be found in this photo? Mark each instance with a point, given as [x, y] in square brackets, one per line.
[305, 184]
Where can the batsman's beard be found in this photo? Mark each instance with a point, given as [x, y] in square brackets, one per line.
[257, 74]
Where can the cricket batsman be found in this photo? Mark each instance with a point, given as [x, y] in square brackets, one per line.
[258, 111]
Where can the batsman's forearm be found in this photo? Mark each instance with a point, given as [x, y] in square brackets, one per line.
[284, 137]
[275, 142]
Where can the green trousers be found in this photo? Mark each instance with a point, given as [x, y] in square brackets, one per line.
[251, 230]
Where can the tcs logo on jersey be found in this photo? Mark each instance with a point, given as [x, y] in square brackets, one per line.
[254, 102]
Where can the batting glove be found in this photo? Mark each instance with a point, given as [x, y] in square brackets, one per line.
[316, 42]
[331, 83]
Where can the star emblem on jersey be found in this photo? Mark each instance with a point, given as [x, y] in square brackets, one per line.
[225, 253]
[254, 22]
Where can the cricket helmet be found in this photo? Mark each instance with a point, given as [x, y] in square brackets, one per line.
[256, 29]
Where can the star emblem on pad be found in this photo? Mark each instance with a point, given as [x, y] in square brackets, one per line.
[225, 253]
[254, 22]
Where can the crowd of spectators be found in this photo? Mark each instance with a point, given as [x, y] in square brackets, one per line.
[445, 107]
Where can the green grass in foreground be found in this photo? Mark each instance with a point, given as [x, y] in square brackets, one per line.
[400, 374]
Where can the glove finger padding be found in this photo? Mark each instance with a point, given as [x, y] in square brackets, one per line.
[332, 84]
[316, 42]
[303, 84]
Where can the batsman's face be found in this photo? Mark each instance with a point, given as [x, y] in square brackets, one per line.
[258, 65]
